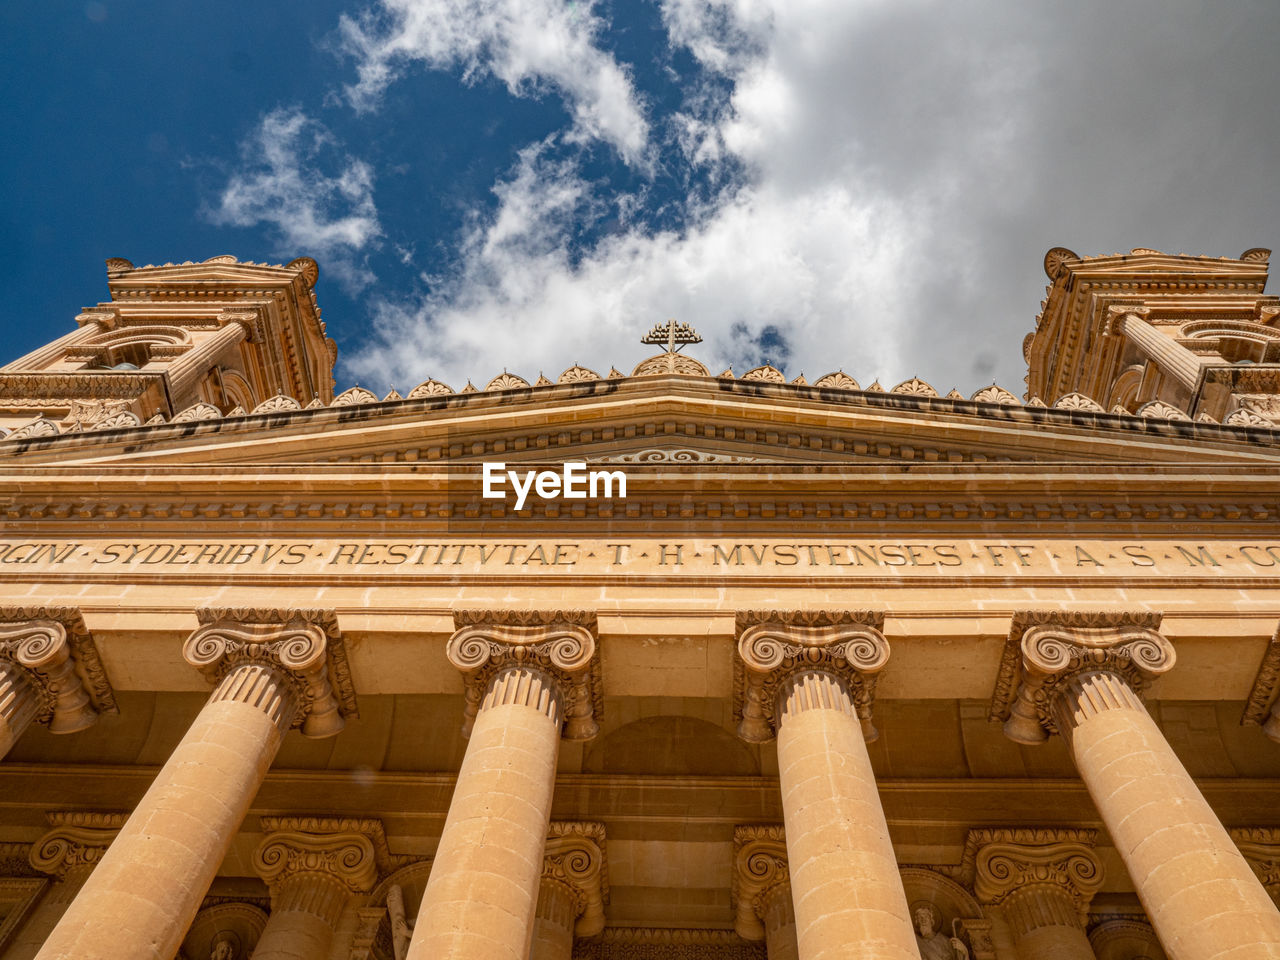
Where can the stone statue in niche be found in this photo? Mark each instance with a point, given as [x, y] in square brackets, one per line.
[225, 946]
[931, 941]
[401, 927]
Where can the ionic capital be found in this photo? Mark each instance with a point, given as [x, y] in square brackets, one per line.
[1037, 690]
[75, 844]
[315, 864]
[1261, 848]
[776, 647]
[1263, 705]
[50, 649]
[574, 863]
[250, 320]
[1116, 314]
[1013, 867]
[760, 873]
[302, 648]
[560, 645]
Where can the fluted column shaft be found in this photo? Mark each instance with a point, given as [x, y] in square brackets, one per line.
[305, 909]
[1201, 896]
[845, 884]
[1046, 924]
[139, 902]
[480, 900]
[19, 704]
[553, 922]
[1169, 355]
[780, 924]
[193, 366]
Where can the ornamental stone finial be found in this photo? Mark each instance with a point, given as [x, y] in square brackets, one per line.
[760, 873]
[574, 861]
[1045, 653]
[50, 650]
[559, 644]
[773, 647]
[303, 646]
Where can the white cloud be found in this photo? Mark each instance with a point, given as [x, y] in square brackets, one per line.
[757, 261]
[327, 215]
[530, 45]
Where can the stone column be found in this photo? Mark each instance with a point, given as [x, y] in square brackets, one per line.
[67, 854]
[1125, 939]
[1261, 848]
[573, 889]
[1085, 682]
[40, 651]
[1170, 356]
[193, 366]
[313, 867]
[530, 678]
[762, 890]
[1043, 881]
[809, 678]
[272, 672]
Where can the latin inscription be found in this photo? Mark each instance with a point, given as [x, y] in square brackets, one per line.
[695, 557]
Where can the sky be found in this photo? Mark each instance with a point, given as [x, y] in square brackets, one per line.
[523, 185]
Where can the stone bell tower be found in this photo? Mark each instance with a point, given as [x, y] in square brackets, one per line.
[1185, 337]
[173, 338]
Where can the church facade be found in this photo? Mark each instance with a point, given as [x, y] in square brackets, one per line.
[752, 668]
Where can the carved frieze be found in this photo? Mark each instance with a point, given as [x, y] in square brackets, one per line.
[649, 943]
[1045, 649]
[304, 646]
[561, 644]
[760, 872]
[774, 646]
[54, 651]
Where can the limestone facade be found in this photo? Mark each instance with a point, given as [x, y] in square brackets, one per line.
[847, 672]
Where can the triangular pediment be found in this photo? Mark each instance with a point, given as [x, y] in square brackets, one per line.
[663, 420]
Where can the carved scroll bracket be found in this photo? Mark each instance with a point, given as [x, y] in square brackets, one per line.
[1263, 705]
[1045, 652]
[760, 872]
[561, 644]
[574, 859]
[76, 843]
[304, 646]
[52, 649]
[773, 647]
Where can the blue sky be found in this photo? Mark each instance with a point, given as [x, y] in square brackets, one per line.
[858, 184]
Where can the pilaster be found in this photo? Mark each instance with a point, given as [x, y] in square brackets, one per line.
[70, 851]
[760, 874]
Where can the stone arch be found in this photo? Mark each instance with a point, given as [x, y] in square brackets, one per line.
[669, 745]
[1124, 392]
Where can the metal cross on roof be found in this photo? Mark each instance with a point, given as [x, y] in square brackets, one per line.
[672, 333]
